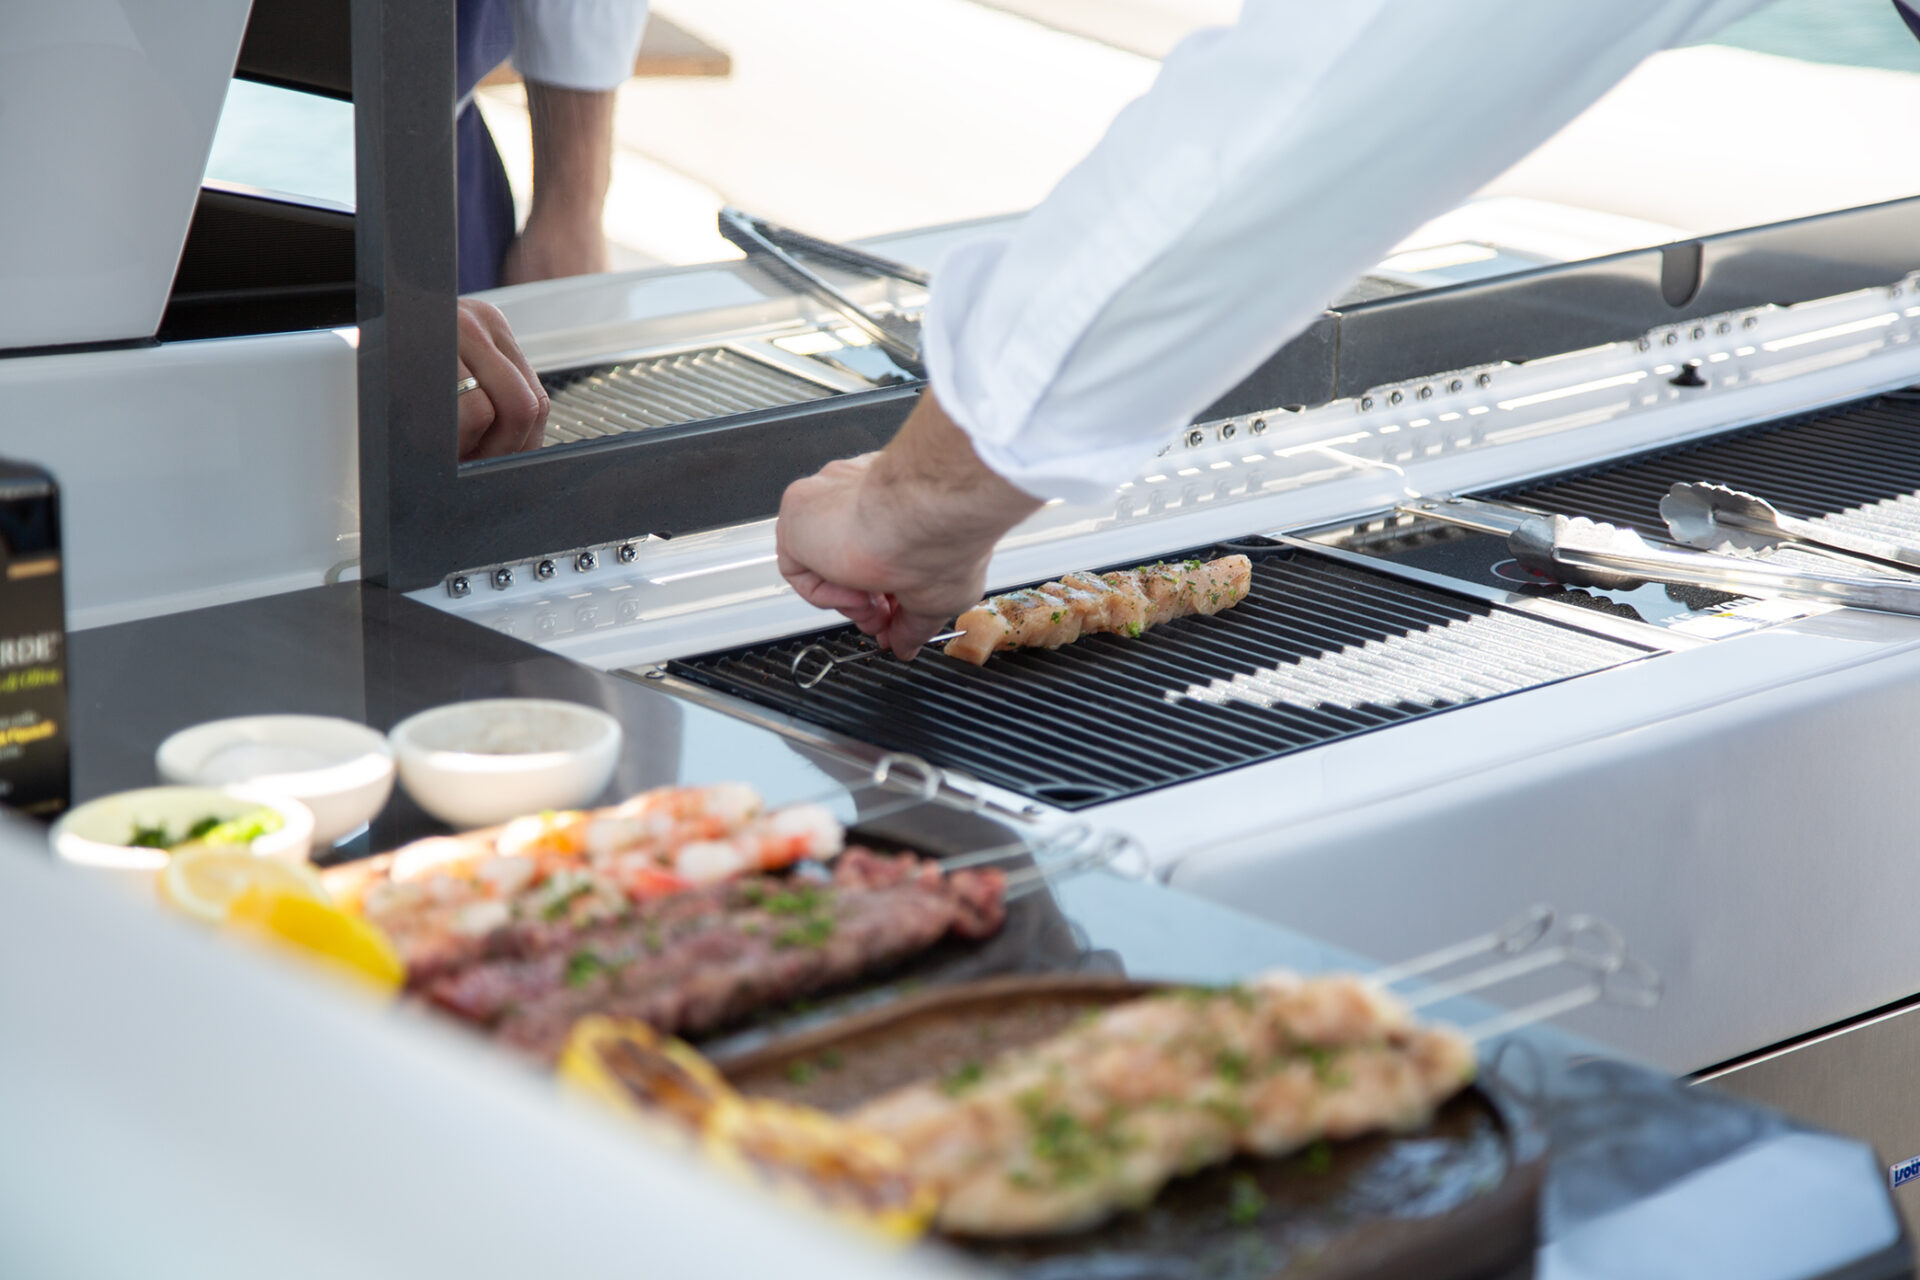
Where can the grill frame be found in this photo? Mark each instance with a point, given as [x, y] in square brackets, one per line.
[1045, 694]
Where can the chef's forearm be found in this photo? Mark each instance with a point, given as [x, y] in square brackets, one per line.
[572, 155]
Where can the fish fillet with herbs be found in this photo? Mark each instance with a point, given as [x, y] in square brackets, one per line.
[1061, 1135]
[1125, 602]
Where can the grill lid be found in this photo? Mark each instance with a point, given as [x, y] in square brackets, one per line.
[1319, 650]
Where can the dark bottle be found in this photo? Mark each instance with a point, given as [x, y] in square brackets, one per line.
[33, 644]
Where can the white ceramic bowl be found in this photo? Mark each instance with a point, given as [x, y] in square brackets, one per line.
[96, 833]
[472, 764]
[341, 770]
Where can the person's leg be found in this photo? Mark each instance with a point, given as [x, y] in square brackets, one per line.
[486, 203]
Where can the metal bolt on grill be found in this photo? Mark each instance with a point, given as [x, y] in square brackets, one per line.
[1318, 651]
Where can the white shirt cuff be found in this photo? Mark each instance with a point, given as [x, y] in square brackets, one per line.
[577, 44]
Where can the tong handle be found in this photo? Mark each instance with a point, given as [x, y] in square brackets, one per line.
[747, 234]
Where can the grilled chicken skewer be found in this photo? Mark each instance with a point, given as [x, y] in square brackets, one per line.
[1126, 603]
[1063, 1134]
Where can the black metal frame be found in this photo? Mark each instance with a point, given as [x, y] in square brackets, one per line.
[424, 516]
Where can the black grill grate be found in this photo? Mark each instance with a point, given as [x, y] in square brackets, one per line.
[1318, 651]
[1857, 466]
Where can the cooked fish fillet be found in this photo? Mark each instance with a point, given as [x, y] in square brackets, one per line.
[1061, 1135]
[1126, 603]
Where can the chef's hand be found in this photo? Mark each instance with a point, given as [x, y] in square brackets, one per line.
[898, 541]
[507, 412]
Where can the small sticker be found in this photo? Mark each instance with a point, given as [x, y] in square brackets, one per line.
[1905, 1171]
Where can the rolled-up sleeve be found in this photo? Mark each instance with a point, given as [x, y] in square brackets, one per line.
[1271, 164]
[577, 44]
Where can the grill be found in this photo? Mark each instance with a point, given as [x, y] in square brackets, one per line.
[1318, 651]
[1857, 468]
[664, 391]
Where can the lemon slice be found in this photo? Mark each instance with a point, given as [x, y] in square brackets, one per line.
[321, 931]
[203, 880]
[630, 1066]
[857, 1176]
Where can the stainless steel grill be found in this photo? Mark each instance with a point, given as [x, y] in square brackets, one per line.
[1319, 650]
[664, 391]
[1856, 467]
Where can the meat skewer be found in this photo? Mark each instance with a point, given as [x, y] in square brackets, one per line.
[690, 963]
[1063, 1134]
[1125, 602]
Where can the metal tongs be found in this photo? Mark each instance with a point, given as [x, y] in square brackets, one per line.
[1590, 553]
[772, 247]
[1711, 516]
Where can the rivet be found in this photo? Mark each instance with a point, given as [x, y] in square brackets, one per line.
[1195, 437]
[1645, 344]
[1699, 332]
[1456, 385]
[502, 578]
[1229, 431]
[586, 562]
[1366, 402]
[1259, 426]
[628, 553]
[1671, 339]
[1724, 327]
[1484, 380]
[543, 570]
[1394, 397]
[1751, 322]
[458, 586]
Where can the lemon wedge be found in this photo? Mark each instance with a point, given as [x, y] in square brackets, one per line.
[204, 880]
[321, 931]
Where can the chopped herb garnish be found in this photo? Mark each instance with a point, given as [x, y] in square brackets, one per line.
[1070, 1148]
[1324, 1061]
[1230, 1111]
[150, 837]
[583, 966]
[800, 1071]
[1133, 631]
[752, 895]
[1230, 1065]
[812, 933]
[1056, 615]
[802, 901]
[1245, 1201]
[201, 827]
[962, 1078]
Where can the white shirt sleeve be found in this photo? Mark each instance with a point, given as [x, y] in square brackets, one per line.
[577, 44]
[1271, 164]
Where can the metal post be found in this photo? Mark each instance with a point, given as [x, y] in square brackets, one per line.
[404, 241]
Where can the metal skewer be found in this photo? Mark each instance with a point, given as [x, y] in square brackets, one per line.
[816, 662]
[1587, 944]
[1709, 516]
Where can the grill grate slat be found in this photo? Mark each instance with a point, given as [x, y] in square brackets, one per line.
[663, 391]
[1319, 650]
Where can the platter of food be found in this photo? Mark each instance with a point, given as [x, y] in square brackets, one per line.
[695, 910]
[1058, 1126]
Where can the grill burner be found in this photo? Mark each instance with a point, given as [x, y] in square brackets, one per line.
[1318, 651]
[664, 391]
[1856, 467]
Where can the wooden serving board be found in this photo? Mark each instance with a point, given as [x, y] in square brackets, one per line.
[1456, 1201]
